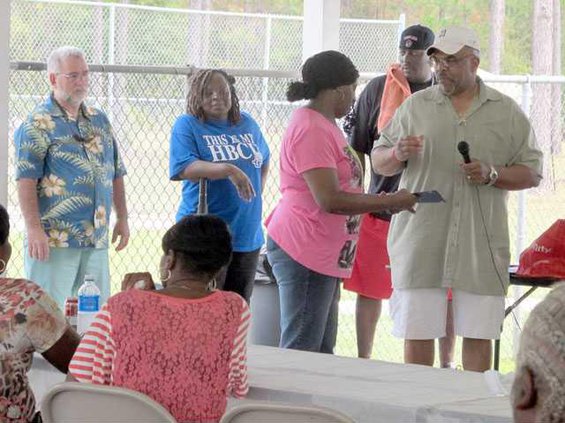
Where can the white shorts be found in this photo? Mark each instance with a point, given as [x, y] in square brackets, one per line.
[420, 314]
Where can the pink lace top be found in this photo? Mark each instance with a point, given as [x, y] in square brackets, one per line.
[188, 355]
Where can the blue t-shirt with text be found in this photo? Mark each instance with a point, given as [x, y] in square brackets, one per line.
[219, 141]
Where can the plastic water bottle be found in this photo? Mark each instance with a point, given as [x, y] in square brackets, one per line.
[88, 303]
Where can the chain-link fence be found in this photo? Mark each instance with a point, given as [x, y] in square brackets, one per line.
[141, 35]
[142, 104]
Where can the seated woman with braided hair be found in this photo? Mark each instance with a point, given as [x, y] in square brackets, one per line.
[29, 322]
[185, 345]
[538, 393]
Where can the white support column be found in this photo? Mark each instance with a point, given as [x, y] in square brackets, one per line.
[4, 97]
[321, 26]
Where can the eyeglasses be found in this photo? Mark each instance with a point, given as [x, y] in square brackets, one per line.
[222, 93]
[75, 76]
[447, 61]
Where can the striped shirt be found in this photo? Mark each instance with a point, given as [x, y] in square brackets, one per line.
[122, 350]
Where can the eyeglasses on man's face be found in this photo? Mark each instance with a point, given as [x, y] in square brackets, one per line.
[75, 76]
[448, 61]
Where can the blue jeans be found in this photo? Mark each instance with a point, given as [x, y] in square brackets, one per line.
[309, 303]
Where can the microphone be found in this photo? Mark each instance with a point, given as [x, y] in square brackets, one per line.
[463, 148]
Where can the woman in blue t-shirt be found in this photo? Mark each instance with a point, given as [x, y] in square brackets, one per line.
[215, 141]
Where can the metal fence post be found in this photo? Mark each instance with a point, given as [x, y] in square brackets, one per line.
[266, 65]
[5, 98]
[521, 230]
[401, 24]
[111, 60]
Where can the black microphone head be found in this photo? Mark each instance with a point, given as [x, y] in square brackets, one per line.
[463, 148]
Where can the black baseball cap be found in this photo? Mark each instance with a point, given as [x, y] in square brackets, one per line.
[416, 37]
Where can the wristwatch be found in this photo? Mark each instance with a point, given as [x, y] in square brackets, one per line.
[492, 177]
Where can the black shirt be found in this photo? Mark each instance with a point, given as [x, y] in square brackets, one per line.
[361, 128]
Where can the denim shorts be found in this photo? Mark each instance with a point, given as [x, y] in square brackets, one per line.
[63, 273]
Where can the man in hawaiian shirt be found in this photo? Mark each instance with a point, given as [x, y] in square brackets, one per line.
[69, 172]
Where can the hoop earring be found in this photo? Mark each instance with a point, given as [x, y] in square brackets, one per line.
[212, 285]
[2, 266]
[166, 278]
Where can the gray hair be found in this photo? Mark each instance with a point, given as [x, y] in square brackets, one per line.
[542, 351]
[60, 54]
[473, 51]
[476, 53]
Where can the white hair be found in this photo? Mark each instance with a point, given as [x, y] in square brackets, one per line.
[542, 351]
[60, 54]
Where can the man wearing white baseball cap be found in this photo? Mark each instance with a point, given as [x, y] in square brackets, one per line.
[461, 243]
[451, 40]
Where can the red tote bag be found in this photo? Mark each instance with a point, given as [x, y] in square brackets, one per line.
[545, 258]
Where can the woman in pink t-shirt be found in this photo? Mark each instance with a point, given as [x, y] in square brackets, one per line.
[313, 230]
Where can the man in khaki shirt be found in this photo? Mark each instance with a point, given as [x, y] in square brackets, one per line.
[462, 243]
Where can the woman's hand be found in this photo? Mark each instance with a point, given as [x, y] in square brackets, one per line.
[213, 171]
[138, 280]
[241, 182]
[401, 200]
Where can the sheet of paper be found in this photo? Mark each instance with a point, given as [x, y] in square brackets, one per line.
[429, 197]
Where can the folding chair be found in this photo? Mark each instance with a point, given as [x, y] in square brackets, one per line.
[82, 402]
[282, 413]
